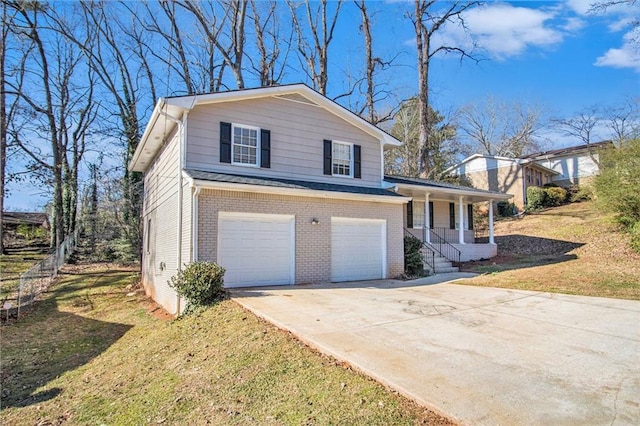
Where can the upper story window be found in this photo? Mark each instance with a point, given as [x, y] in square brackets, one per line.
[245, 143]
[342, 159]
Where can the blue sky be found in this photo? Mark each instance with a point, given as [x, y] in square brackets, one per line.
[555, 54]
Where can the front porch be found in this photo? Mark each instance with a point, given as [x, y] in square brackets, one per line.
[441, 215]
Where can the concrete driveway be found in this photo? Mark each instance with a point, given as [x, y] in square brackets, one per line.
[477, 355]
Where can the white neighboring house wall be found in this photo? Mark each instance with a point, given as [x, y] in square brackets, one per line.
[571, 168]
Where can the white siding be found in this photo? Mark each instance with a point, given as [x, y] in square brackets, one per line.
[297, 134]
[161, 206]
[572, 168]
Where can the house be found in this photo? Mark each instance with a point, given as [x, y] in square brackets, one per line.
[279, 185]
[574, 165]
[30, 219]
[503, 174]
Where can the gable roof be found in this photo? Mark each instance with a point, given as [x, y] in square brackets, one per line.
[519, 161]
[571, 150]
[168, 111]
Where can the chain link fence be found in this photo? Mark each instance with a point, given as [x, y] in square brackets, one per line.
[37, 279]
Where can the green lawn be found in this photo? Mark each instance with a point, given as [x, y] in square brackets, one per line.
[94, 353]
[571, 249]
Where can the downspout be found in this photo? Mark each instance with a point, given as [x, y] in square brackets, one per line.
[194, 223]
[181, 126]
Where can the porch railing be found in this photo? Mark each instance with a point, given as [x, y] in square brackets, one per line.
[427, 253]
[439, 241]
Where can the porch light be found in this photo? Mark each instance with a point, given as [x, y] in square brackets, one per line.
[315, 221]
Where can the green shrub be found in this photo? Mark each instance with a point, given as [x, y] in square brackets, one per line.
[618, 186]
[201, 283]
[413, 264]
[578, 194]
[555, 196]
[506, 209]
[536, 198]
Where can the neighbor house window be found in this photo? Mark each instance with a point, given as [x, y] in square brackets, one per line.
[342, 157]
[245, 145]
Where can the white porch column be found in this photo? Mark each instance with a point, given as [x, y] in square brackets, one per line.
[491, 222]
[461, 220]
[427, 215]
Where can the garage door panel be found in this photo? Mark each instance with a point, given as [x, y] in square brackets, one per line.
[256, 249]
[357, 249]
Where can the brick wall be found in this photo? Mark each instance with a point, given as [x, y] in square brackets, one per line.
[313, 242]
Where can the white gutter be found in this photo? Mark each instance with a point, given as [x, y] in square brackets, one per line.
[295, 192]
[194, 223]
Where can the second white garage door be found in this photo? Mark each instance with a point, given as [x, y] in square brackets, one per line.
[358, 249]
[256, 249]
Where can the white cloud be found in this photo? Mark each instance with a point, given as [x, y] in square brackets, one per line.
[574, 24]
[504, 30]
[627, 56]
[581, 7]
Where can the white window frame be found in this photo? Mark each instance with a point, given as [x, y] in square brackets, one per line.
[333, 159]
[235, 126]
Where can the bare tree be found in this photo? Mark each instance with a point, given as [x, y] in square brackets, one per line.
[623, 121]
[55, 107]
[235, 13]
[428, 18]
[268, 42]
[582, 126]
[4, 119]
[496, 127]
[373, 93]
[314, 54]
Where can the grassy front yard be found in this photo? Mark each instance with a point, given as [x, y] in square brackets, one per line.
[96, 352]
[571, 249]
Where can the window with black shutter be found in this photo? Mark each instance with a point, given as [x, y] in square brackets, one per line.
[452, 216]
[245, 145]
[470, 216]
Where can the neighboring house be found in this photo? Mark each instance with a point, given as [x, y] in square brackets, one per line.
[278, 185]
[503, 174]
[574, 165]
[15, 219]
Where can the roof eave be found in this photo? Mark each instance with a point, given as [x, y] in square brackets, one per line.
[463, 192]
[263, 189]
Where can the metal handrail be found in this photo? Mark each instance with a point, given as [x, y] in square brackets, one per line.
[427, 253]
[442, 246]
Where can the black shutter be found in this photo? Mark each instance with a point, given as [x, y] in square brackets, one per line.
[410, 214]
[225, 142]
[452, 216]
[470, 216]
[357, 165]
[327, 157]
[265, 148]
[430, 214]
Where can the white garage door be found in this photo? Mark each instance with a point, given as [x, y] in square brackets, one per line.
[358, 249]
[256, 249]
